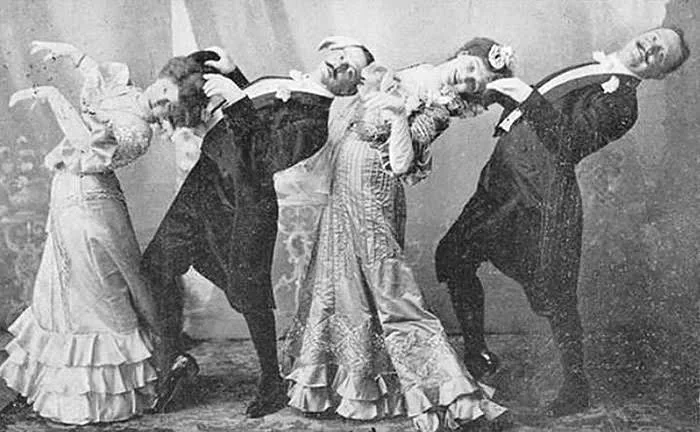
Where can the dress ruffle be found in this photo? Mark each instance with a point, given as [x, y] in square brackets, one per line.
[354, 397]
[463, 403]
[360, 398]
[67, 349]
[364, 344]
[310, 391]
[79, 379]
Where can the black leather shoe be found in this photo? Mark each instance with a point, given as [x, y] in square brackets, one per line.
[573, 398]
[323, 415]
[481, 363]
[502, 423]
[183, 370]
[271, 397]
[17, 406]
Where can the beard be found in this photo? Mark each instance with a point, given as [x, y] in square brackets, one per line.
[341, 87]
[339, 83]
[185, 114]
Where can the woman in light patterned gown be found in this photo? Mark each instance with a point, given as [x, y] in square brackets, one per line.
[80, 354]
[363, 344]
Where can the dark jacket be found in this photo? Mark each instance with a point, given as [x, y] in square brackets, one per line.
[224, 219]
[529, 184]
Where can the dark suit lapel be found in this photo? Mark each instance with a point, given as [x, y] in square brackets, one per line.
[219, 149]
[271, 90]
[565, 81]
[561, 72]
[575, 79]
[543, 81]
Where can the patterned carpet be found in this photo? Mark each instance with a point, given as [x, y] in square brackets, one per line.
[227, 381]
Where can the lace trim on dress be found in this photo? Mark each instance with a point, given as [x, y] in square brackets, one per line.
[133, 140]
[316, 389]
[358, 348]
[362, 383]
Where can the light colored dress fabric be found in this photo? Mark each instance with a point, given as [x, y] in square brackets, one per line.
[364, 343]
[78, 354]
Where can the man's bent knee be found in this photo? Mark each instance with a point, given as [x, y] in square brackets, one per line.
[452, 264]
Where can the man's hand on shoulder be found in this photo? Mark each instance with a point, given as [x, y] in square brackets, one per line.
[219, 85]
[514, 88]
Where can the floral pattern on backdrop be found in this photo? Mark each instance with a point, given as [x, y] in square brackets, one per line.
[24, 198]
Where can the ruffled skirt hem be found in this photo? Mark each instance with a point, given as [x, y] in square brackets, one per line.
[65, 387]
[71, 349]
[453, 402]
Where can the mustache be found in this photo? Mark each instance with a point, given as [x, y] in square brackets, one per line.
[337, 70]
[648, 53]
[184, 115]
[651, 53]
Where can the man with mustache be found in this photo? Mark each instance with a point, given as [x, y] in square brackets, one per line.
[223, 221]
[526, 216]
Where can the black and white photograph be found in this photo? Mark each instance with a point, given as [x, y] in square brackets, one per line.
[349, 215]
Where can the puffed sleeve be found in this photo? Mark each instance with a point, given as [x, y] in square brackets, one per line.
[406, 151]
[426, 124]
[102, 82]
[118, 133]
[390, 131]
[133, 136]
[115, 143]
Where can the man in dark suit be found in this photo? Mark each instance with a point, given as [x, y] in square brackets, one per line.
[525, 216]
[223, 221]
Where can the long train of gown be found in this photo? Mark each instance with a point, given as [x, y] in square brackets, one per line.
[78, 354]
[363, 342]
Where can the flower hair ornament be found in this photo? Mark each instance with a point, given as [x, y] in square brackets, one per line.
[501, 56]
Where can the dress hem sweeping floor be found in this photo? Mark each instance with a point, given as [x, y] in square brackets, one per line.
[315, 390]
[364, 343]
[79, 378]
[78, 354]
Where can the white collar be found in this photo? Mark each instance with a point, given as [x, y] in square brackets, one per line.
[283, 87]
[305, 80]
[613, 63]
[606, 64]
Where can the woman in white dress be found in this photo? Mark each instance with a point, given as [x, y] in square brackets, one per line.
[364, 345]
[80, 353]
